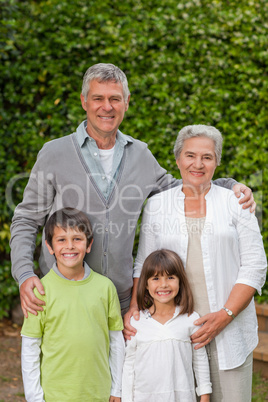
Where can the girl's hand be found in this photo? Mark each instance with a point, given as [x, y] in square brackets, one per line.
[211, 325]
[114, 399]
[205, 398]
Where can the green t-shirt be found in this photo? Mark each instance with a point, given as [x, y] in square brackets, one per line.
[74, 327]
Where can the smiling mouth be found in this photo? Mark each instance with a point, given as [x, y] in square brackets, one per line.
[197, 173]
[164, 293]
[106, 117]
[69, 255]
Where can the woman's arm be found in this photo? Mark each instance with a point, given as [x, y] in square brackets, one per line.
[146, 246]
[30, 367]
[132, 312]
[214, 323]
[251, 277]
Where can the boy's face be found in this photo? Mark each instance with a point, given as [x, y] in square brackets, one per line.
[69, 247]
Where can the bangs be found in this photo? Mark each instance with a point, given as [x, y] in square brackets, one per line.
[159, 270]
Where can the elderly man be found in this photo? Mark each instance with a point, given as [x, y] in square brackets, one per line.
[104, 173]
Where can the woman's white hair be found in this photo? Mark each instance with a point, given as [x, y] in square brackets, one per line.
[103, 72]
[199, 130]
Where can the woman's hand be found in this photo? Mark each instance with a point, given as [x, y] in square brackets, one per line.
[133, 311]
[212, 325]
[128, 330]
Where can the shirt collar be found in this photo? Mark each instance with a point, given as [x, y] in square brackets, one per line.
[82, 135]
[86, 274]
[176, 313]
[182, 195]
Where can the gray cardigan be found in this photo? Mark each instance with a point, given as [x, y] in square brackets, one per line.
[61, 178]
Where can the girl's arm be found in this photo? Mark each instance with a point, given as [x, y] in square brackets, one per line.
[201, 371]
[129, 371]
[30, 367]
[205, 398]
[116, 360]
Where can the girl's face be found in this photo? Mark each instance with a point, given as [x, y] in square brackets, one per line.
[163, 288]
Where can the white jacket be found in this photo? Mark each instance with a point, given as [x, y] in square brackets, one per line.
[232, 251]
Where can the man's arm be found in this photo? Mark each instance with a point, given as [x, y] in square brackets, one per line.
[238, 188]
[29, 302]
[29, 216]
[164, 181]
[30, 367]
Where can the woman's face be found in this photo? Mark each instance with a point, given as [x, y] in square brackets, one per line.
[197, 162]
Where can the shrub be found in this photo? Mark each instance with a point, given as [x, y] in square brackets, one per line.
[187, 62]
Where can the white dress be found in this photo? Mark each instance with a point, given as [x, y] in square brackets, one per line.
[160, 360]
[232, 251]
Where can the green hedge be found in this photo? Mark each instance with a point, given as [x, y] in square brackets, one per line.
[187, 62]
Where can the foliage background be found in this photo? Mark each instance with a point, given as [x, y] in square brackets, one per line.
[187, 62]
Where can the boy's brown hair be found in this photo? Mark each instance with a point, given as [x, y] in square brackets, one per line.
[68, 218]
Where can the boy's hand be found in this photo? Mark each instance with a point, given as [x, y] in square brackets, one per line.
[248, 199]
[114, 399]
[29, 302]
[128, 330]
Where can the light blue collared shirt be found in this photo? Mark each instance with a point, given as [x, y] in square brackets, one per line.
[90, 152]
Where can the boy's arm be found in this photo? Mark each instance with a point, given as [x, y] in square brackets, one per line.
[129, 370]
[116, 360]
[30, 367]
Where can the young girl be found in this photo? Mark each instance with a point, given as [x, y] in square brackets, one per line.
[160, 358]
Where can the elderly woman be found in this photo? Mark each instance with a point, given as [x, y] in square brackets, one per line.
[222, 251]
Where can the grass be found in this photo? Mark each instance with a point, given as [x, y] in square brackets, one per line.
[4, 379]
[259, 388]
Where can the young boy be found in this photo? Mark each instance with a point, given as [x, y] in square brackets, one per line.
[73, 350]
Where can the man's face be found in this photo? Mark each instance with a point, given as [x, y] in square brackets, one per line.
[105, 107]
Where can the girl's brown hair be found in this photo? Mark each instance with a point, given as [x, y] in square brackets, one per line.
[162, 262]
